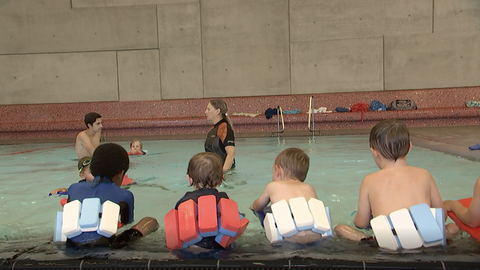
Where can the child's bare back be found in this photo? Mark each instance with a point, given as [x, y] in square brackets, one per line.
[392, 189]
[396, 185]
[288, 189]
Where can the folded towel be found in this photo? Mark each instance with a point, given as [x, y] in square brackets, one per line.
[341, 109]
[295, 111]
[377, 106]
[472, 104]
[321, 110]
[246, 114]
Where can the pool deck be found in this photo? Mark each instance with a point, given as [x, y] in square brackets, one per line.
[452, 140]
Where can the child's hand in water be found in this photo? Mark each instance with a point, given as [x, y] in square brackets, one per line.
[58, 190]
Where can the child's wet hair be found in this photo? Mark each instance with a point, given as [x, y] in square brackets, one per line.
[391, 139]
[108, 160]
[206, 170]
[294, 162]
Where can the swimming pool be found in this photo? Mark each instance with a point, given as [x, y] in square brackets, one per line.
[337, 165]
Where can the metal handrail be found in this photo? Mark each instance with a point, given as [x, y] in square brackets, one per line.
[311, 118]
[280, 115]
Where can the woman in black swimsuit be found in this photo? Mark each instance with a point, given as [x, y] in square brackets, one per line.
[221, 137]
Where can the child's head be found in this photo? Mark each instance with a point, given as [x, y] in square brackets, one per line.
[391, 139]
[205, 170]
[109, 160]
[294, 162]
[84, 168]
[136, 145]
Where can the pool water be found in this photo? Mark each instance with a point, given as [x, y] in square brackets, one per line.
[337, 166]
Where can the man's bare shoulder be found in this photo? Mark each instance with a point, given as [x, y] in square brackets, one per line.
[82, 135]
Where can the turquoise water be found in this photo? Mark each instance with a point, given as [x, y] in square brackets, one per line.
[338, 164]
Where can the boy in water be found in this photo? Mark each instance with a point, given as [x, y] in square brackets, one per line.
[290, 170]
[109, 164]
[89, 139]
[204, 173]
[83, 171]
[397, 185]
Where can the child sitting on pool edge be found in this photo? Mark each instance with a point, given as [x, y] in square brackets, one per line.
[396, 186]
[290, 170]
[205, 173]
[83, 171]
[469, 216]
[136, 148]
[109, 164]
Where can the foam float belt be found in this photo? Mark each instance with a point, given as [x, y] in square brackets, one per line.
[88, 216]
[410, 229]
[287, 219]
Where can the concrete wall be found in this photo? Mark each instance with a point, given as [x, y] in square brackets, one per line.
[61, 51]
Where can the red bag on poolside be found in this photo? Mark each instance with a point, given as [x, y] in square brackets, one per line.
[359, 107]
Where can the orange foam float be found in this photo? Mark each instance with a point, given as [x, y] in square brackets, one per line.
[474, 232]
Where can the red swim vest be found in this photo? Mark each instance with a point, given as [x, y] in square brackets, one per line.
[187, 225]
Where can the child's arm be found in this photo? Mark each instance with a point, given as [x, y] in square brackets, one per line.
[471, 215]
[263, 200]
[364, 213]
[59, 190]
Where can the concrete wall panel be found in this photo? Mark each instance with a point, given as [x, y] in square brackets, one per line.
[23, 5]
[58, 78]
[118, 3]
[60, 30]
[245, 47]
[246, 71]
[432, 61]
[180, 43]
[337, 66]
[451, 16]
[179, 25]
[312, 20]
[138, 75]
[181, 70]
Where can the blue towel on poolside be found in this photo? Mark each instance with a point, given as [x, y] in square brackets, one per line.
[377, 106]
[296, 111]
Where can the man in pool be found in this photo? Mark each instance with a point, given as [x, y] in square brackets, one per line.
[290, 170]
[89, 139]
[109, 164]
[397, 185]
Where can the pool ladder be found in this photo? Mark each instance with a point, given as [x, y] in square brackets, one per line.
[311, 119]
[280, 116]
